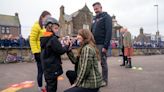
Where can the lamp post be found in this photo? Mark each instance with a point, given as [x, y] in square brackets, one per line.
[156, 5]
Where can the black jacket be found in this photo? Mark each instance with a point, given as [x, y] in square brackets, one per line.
[51, 51]
[102, 29]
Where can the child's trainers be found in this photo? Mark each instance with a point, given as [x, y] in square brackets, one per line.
[39, 89]
[44, 90]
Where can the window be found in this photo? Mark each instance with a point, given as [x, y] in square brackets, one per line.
[5, 30]
[162, 38]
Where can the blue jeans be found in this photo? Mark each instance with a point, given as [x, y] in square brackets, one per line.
[39, 68]
[104, 63]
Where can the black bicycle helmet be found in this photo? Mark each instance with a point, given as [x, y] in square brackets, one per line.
[50, 20]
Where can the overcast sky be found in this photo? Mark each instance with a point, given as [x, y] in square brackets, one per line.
[132, 14]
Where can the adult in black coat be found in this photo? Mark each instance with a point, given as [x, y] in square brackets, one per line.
[102, 31]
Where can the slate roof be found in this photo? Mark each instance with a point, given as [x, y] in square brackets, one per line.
[142, 37]
[8, 20]
[69, 17]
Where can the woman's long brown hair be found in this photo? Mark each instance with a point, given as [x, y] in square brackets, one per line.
[44, 13]
[88, 39]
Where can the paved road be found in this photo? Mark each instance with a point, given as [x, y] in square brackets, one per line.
[149, 78]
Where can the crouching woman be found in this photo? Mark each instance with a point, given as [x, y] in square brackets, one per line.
[89, 78]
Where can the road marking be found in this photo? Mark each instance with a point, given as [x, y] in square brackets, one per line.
[27, 84]
[17, 87]
[60, 78]
[22, 85]
[11, 89]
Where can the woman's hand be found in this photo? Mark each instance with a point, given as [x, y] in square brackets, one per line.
[67, 42]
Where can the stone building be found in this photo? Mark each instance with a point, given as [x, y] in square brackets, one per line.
[70, 24]
[116, 28]
[9, 25]
[155, 40]
[142, 38]
[116, 34]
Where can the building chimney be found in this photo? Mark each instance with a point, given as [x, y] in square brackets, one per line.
[62, 10]
[113, 17]
[16, 14]
[141, 30]
[157, 33]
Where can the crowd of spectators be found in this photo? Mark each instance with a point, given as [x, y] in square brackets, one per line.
[13, 41]
[19, 41]
[147, 45]
[115, 44]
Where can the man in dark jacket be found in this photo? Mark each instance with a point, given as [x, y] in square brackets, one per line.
[51, 51]
[102, 31]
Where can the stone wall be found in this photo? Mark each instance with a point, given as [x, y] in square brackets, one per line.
[140, 51]
[27, 56]
[24, 53]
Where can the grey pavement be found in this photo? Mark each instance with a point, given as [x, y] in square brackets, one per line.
[149, 78]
